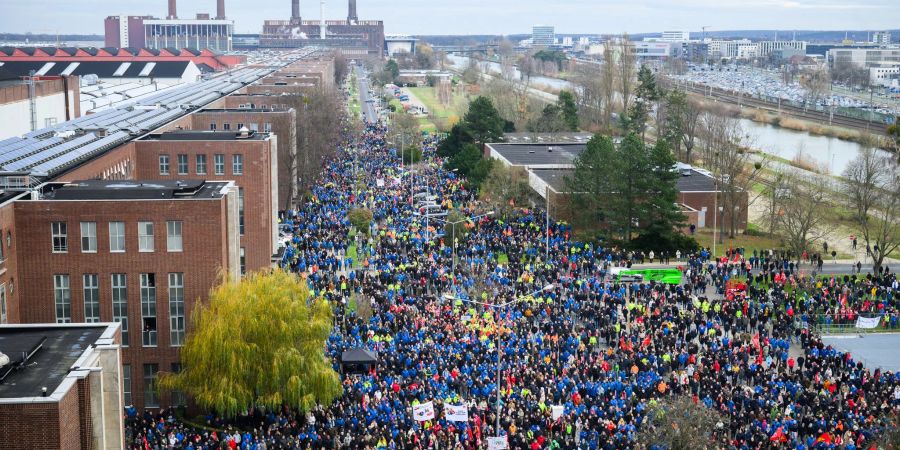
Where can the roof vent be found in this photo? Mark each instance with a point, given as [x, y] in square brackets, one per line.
[243, 133]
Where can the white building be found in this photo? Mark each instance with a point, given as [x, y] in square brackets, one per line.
[543, 35]
[863, 57]
[726, 49]
[881, 37]
[675, 36]
[888, 76]
[766, 48]
[645, 49]
[55, 101]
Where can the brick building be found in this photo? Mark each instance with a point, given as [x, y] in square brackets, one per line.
[137, 253]
[249, 159]
[282, 123]
[65, 392]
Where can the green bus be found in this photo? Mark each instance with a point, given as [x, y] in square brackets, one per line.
[667, 276]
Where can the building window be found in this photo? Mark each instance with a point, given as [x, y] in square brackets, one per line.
[3, 318]
[60, 237]
[182, 165]
[178, 397]
[89, 237]
[151, 398]
[226, 126]
[49, 122]
[212, 127]
[2, 251]
[243, 262]
[237, 164]
[254, 127]
[148, 309]
[176, 309]
[241, 210]
[117, 237]
[62, 298]
[220, 164]
[267, 127]
[120, 303]
[126, 384]
[201, 164]
[145, 236]
[91, 298]
[173, 236]
[163, 164]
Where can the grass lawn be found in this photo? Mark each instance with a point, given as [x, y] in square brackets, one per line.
[750, 243]
[441, 113]
[427, 125]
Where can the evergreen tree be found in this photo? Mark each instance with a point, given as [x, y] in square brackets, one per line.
[647, 92]
[483, 122]
[454, 142]
[591, 181]
[568, 109]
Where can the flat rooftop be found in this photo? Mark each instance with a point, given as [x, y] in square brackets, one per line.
[60, 348]
[197, 135]
[694, 182]
[134, 190]
[539, 154]
[546, 138]
[241, 110]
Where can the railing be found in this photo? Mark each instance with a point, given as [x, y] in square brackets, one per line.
[826, 324]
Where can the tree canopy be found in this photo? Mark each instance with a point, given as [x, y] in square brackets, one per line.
[483, 122]
[629, 188]
[264, 338]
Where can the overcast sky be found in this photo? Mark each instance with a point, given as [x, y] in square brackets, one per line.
[481, 16]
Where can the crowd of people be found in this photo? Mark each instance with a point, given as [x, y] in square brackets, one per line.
[568, 334]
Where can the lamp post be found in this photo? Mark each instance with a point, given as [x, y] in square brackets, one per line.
[497, 307]
[453, 224]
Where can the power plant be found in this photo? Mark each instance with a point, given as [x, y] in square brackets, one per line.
[172, 32]
[352, 37]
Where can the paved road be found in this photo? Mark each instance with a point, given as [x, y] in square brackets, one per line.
[367, 108]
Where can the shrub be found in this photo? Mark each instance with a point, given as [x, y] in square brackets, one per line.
[360, 218]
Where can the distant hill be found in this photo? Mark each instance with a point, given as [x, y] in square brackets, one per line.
[816, 36]
[49, 37]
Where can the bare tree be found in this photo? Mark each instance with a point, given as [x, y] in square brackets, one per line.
[802, 219]
[677, 423]
[505, 188]
[817, 82]
[735, 167]
[626, 71]
[872, 187]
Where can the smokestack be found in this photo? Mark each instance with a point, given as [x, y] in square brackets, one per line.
[220, 9]
[172, 13]
[295, 10]
[351, 15]
[322, 20]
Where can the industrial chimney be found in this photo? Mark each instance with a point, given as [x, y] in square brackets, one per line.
[220, 10]
[351, 15]
[295, 10]
[172, 13]
[322, 20]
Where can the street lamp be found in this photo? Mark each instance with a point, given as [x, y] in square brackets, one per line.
[497, 307]
[453, 224]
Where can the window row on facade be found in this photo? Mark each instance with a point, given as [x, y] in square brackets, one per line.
[150, 387]
[118, 285]
[182, 164]
[267, 127]
[59, 235]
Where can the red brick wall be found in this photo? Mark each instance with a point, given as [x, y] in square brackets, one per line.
[204, 231]
[116, 164]
[280, 123]
[8, 275]
[256, 181]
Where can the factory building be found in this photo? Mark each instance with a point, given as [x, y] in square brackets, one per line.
[214, 33]
[352, 37]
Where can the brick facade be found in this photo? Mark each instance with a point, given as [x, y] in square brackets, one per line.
[256, 182]
[204, 257]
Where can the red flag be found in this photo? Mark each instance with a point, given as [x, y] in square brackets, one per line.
[779, 435]
[824, 438]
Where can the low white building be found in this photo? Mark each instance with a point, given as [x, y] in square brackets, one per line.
[888, 76]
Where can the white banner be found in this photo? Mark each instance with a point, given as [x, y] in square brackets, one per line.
[457, 413]
[497, 443]
[423, 412]
[379, 182]
[867, 322]
[557, 411]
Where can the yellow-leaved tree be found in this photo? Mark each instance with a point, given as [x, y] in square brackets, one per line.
[258, 342]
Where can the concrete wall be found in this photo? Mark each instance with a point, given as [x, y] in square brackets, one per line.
[15, 109]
